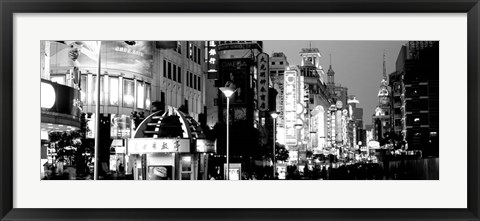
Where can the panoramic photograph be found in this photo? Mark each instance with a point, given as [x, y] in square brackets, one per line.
[239, 110]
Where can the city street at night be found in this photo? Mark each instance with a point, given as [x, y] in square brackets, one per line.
[239, 110]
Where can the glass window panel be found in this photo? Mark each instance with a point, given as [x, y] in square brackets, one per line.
[104, 88]
[83, 89]
[175, 72]
[147, 96]
[195, 82]
[164, 68]
[186, 163]
[179, 74]
[169, 70]
[140, 95]
[90, 89]
[114, 91]
[128, 98]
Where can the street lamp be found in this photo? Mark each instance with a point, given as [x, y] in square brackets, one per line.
[298, 126]
[228, 92]
[274, 115]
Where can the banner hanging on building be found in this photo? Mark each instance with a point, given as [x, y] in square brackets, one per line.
[290, 95]
[262, 81]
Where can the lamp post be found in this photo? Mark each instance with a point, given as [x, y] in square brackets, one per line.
[298, 126]
[274, 115]
[228, 92]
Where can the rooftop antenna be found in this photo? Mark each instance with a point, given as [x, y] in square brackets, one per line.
[330, 59]
[384, 67]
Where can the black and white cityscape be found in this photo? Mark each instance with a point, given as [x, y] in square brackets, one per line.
[239, 110]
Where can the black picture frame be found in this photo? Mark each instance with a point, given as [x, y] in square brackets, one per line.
[10, 7]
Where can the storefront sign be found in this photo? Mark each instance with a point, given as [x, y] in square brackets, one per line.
[206, 146]
[60, 99]
[262, 81]
[238, 46]
[290, 95]
[212, 57]
[154, 145]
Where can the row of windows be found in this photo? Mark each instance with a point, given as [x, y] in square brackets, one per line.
[193, 81]
[194, 53]
[112, 91]
[172, 71]
[273, 62]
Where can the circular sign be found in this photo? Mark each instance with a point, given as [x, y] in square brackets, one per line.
[300, 108]
[48, 95]
[339, 104]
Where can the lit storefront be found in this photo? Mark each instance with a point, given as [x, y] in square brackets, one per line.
[60, 112]
[169, 145]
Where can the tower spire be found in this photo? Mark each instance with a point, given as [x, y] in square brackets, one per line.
[384, 67]
[330, 60]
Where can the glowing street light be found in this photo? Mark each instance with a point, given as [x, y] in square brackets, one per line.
[274, 115]
[228, 92]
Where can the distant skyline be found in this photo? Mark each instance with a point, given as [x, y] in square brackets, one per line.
[358, 65]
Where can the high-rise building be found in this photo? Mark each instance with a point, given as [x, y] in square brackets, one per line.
[381, 117]
[416, 95]
[278, 65]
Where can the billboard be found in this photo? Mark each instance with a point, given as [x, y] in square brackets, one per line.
[60, 99]
[131, 56]
[120, 126]
[234, 73]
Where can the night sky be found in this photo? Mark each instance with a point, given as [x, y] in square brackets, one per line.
[357, 64]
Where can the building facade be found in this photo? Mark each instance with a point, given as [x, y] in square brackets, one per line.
[417, 80]
[136, 77]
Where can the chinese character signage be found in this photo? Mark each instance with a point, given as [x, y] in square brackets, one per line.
[154, 145]
[262, 81]
[290, 95]
[212, 57]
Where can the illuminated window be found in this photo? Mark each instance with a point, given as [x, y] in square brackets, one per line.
[416, 119]
[94, 91]
[186, 167]
[83, 89]
[128, 91]
[113, 91]
[148, 90]
[140, 95]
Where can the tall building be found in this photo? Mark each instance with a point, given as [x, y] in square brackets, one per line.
[316, 99]
[278, 65]
[356, 121]
[381, 117]
[417, 70]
